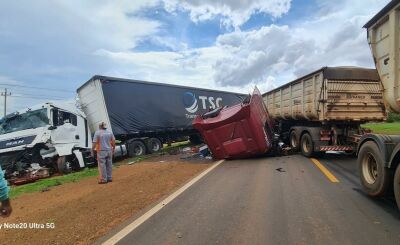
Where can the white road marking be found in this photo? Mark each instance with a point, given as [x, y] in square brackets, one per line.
[136, 223]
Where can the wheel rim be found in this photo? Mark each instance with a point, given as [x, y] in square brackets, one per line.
[306, 145]
[138, 150]
[155, 146]
[370, 168]
[293, 141]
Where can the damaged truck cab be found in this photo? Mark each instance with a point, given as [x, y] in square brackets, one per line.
[50, 135]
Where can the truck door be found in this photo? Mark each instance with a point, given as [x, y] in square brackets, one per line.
[65, 130]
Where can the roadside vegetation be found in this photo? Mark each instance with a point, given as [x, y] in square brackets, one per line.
[393, 117]
[384, 128]
[391, 126]
[44, 184]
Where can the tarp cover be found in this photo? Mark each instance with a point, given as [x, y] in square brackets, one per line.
[351, 74]
[143, 107]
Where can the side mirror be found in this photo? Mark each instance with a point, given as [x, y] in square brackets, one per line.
[52, 127]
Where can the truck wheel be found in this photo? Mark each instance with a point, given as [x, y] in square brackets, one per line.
[294, 141]
[397, 186]
[154, 145]
[307, 145]
[63, 165]
[136, 148]
[374, 177]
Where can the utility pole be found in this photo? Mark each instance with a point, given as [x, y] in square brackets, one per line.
[5, 94]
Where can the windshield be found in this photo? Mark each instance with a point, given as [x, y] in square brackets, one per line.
[27, 120]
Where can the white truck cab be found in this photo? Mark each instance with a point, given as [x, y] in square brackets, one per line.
[53, 135]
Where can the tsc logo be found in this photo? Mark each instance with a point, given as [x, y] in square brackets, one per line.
[192, 103]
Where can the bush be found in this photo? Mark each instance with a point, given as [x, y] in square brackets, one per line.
[393, 117]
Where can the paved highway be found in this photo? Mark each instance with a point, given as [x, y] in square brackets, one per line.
[275, 200]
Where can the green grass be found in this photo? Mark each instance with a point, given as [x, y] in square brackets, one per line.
[384, 128]
[44, 184]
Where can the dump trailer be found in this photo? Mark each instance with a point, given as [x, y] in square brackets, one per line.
[379, 155]
[322, 111]
[238, 131]
[144, 115]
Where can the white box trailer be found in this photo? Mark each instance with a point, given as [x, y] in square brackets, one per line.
[144, 115]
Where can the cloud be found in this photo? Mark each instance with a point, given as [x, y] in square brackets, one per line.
[265, 57]
[49, 38]
[232, 12]
[53, 43]
[286, 52]
[63, 43]
[250, 57]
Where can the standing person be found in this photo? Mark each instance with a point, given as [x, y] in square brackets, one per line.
[104, 145]
[5, 209]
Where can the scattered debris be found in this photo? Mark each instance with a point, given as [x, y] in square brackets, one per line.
[204, 150]
[195, 155]
[198, 153]
[187, 149]
[21, 181]
[36, 172]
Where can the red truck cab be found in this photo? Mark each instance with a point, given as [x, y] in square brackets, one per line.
[238, 131]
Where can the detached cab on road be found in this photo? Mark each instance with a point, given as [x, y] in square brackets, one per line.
[239, 131]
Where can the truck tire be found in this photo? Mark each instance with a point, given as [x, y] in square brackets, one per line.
[153, 145]
[374, 176]
[63, 165]
[307, 145]
[397, 186]
[136, 148]
[294, 141]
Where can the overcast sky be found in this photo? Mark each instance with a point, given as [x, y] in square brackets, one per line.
[222, 44]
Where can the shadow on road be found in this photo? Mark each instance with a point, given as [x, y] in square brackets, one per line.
[387, 203]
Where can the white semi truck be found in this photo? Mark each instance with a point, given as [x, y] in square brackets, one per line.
[142, 116]
[379, 155]
[54, 135]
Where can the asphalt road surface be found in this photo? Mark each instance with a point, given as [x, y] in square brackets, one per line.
[275, 200]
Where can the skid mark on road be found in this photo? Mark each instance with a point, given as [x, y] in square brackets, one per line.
[325, 171]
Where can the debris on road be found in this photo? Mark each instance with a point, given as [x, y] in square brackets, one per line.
[36, 172]
[204, 151]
